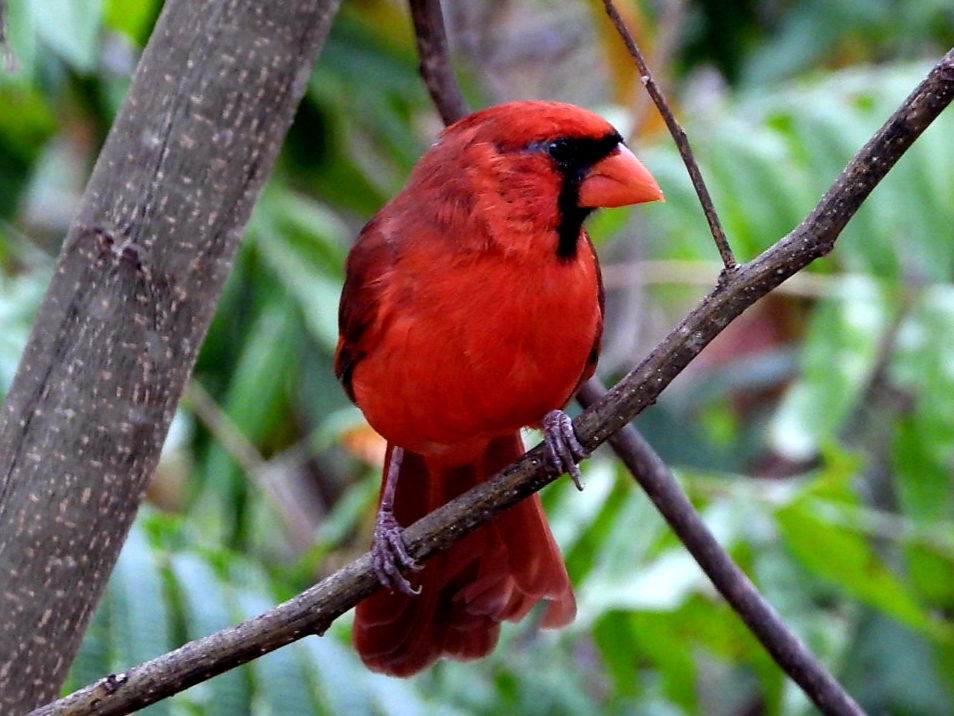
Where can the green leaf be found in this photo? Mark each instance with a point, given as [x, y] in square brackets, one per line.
[278, 679]
[931, 567]
[756, 184]
[816, 527]
[71, 28]
[302, 243]
[130, 17]
[841, 349]
[21, 34]
[897, 671]
[924, 443]
[253, 403]
[923, 469]
[139, 618]
[339, 677]
[616, 637]
[132, 623]
[19, 297]
[572, 513]
[624, 575]
[206, 610]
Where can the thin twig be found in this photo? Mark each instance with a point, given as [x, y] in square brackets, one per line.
[669, 25]
[759, 616]
[313, 611]
[678, 135]
[435, 63]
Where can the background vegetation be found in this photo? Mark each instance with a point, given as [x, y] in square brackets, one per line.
[817, 434]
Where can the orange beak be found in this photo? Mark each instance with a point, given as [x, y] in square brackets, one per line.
[618, 180]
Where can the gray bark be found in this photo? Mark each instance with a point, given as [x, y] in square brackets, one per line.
[132, 296]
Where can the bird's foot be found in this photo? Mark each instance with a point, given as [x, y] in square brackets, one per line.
[389, 556]
[564, 450]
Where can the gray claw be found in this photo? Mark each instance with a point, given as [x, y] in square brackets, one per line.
[564, 450]
[389, 555]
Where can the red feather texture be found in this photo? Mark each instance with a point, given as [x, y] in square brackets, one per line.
[464, 319]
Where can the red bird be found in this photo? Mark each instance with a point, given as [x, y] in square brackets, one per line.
[473, 307]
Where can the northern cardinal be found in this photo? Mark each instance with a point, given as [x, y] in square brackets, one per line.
[472, 308]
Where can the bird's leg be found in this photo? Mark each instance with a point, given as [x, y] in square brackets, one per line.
[388, 553]
[564, 450]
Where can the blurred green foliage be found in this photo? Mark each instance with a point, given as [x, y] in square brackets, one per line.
[816, 435]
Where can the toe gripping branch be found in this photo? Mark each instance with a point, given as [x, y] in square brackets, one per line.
[563, 448]
[389, 555]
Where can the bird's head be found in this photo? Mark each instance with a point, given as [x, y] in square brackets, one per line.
[537, 165]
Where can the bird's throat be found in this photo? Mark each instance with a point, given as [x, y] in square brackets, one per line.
[570, 229]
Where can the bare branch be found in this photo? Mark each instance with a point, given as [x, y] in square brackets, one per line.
[435, 63]
[314, 610]
[678, 135]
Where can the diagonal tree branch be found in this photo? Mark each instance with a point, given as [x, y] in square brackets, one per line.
[314, 610]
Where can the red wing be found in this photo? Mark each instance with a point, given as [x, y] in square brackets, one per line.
[372, 256]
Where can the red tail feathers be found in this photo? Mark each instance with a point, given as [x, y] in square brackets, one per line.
[497, 573]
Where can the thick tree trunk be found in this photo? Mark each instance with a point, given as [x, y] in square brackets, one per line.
[129, 304]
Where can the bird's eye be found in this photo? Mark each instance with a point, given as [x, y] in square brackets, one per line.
[562, 151]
